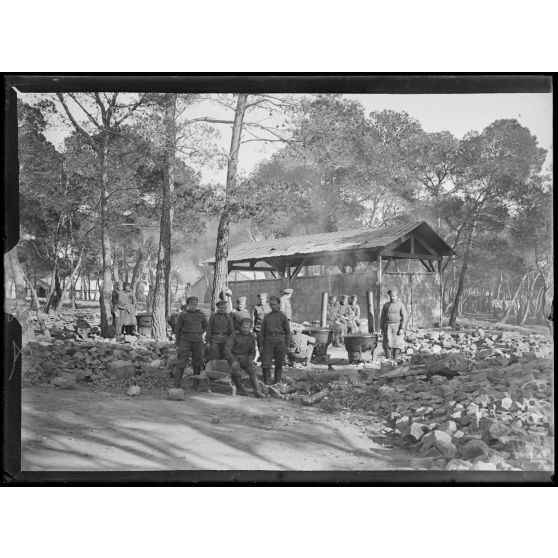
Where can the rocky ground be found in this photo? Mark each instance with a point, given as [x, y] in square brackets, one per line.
[457, 400]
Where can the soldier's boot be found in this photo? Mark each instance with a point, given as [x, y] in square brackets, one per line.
[256, 385]
[178, 373]
[267, 376]
[277, 375]
[388, 353]
[236, 378]
[196, 370]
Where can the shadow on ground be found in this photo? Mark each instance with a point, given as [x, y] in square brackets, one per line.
[78, 430]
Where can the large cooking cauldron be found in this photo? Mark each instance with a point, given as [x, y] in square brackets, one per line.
[323, 338]
[360, 346]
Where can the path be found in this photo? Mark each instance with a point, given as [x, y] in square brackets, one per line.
[82, 430]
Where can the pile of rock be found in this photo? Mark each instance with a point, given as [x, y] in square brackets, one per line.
[64, 363]
[486, 408]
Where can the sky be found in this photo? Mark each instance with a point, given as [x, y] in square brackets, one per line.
[457, 114]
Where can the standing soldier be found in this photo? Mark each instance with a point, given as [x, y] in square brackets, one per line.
[114, 309]
[240, 313]
[240, 351]
[276, 335]
[392, 325]
[219, 328]
[334, 320]
[125, 310]
[285, 303]
[260, 311]
[190, 328]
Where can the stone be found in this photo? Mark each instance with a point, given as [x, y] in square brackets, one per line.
[175, 394]
[483, 400]
[441, 441]
[415, 431]
[82, 375]
[402, 423]
[506, 403]
[474, 448]
[121, 369]
[133, 390]
[484, 466]
[458, 465]
[448, 426]
[458, 435]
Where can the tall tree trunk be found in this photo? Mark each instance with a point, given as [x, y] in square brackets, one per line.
[512, 303]
[222, 243]
[137, 267]
[526, 306]
[106, 248]
[161, 305]
[20, 310]
[70, 282]
[461, 284]
[115, 267]
[51, 294]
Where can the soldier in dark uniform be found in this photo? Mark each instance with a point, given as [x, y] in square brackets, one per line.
[276, 334]
[125, 310]
[240, 313]
[260, 311]
[219, 328]
[392, 325]
[190, 327]
[240, 351]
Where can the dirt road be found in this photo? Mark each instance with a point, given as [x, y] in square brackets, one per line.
[101, 431]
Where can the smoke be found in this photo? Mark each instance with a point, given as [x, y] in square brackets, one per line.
[187, 261]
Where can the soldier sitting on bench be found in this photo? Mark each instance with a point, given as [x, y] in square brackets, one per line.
[240, 351]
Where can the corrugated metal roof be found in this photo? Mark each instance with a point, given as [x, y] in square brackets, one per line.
[323, 242]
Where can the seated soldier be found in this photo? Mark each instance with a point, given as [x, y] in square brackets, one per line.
[301, 348]
[240, 351]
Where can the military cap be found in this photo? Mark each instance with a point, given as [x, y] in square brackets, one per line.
[274, 298]
[262, 294]
[191, 299]
[242, 299]
[393, 291]
[221, 303]
[288, 291]
[246, 321]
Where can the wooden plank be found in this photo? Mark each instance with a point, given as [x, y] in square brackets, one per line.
[408, 256]
[424, 264]
[297, 269]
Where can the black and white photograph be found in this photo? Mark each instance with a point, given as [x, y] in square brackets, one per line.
[319, 277]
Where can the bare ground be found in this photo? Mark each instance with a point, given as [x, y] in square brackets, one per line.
[100, 431]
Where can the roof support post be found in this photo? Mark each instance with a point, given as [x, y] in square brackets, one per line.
[378, 288]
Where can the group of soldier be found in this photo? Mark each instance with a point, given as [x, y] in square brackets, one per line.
[234, 334]
[343, 316]
[227, 335]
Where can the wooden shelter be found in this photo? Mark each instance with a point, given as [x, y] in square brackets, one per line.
[284, 258]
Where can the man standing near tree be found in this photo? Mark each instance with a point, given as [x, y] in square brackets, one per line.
[190, 327]
[219, 329]
[392, 325]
